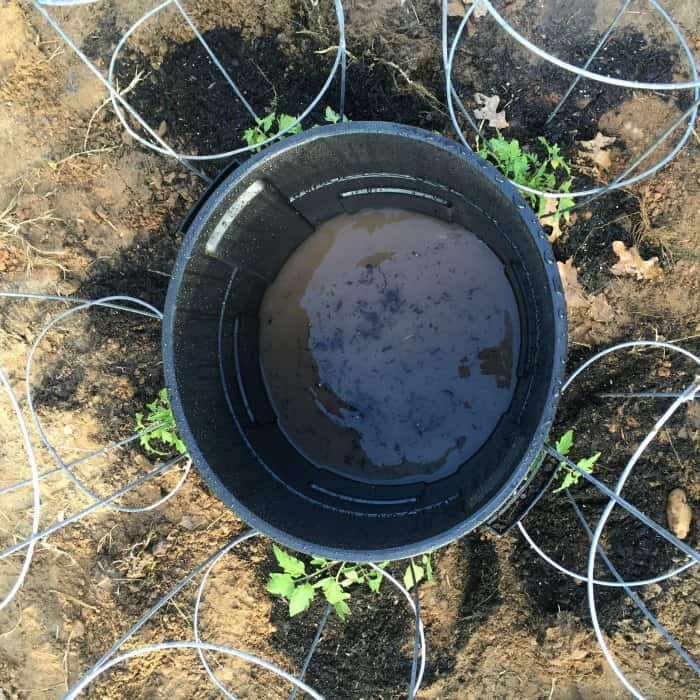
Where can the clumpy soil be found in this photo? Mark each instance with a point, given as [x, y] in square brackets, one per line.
[84, 210]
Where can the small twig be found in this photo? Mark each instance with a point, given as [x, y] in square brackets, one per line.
[216, 520]
[65, 658]
[158, 272]
[56, 52]
[73, 599]
[673, 447]
[270, 83]
[184, 616]
[135, 81]
[89, 152]
[417, 86]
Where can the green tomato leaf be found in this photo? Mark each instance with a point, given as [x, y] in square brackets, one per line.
[331, 115]
[564, 444]
[408, 577]
[342, 609]
[334, 592]
[587, 463]
[285, 121]
[570, 479]
[319, 562]
[289, 564]
[428, 564]
[374, 582]
[281, 584]
[265, 124]
[301, 599]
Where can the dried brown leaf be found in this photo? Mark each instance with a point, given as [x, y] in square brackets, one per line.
[480, 10]
[588, 315]
[596, 150]
[573, 291]
[455, 8]
[631, 263]
[550, 207]
[488, 111]
[599, 309]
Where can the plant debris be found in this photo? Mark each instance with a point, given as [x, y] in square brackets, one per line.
[480, 9]
[551, 206]
[573, 291]
[488, 111]
[632, 264]
[596, 150]
[456, 8]
[588, 313]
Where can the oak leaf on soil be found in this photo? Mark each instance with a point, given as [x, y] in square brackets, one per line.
[596, 150]
[488, 110]
[631, 263]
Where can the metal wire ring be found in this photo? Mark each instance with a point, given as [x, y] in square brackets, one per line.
[592, 75]
[36, 505]
[88, 678]
[146, 309]
[577, 372]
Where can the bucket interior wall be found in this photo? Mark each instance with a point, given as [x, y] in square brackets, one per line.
[237, 241]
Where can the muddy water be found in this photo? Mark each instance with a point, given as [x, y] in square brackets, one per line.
[389, 343]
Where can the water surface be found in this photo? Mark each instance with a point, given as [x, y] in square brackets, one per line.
[389, 343]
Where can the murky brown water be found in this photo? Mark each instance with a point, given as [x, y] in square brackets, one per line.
[389, 343]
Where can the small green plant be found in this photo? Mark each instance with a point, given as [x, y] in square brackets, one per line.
[271, 125]
[264, 130]
[548, 172]
[159, 425]
[571, 477]
[298, 583]
[332, 117]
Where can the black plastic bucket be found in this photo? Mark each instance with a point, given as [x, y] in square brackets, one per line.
[237, 240]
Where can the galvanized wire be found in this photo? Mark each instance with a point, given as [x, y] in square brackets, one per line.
[420, 656]
[90, 677]
[36, 506]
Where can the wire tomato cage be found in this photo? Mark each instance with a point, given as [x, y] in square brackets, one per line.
[671, 402]
[147, 134]
[643, 165]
